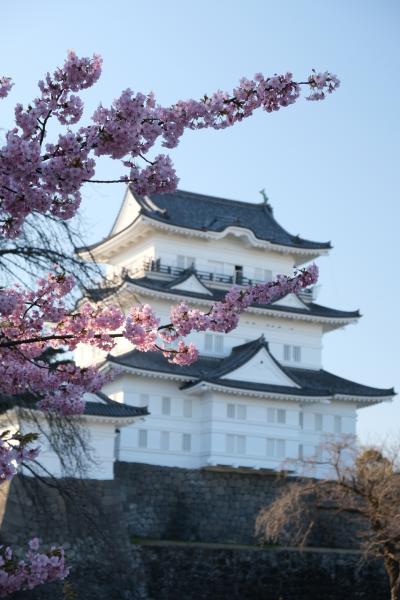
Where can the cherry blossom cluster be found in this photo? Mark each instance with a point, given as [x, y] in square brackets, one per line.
[322, 84]
[224, 316]
[35, 569]
[5, 86]
[37, 175]
[31, 322]
[141, 327]
[14, 450]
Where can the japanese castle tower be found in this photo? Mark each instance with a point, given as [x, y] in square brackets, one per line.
[257, 396]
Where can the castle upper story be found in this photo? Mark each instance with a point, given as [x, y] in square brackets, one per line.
[210, 232]
[186, 246]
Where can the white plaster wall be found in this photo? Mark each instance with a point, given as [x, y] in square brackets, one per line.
[100, 440]
[278, 331]
[210, 425]
[132, 257]
[229, 250]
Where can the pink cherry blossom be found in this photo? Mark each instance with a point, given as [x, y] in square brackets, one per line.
[5, 86]
[37, 175]
[35, 569]
[33, 321]
[14, 450]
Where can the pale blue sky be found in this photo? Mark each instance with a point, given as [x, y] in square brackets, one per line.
[330, 168]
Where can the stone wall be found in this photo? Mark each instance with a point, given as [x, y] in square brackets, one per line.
[54, 510]
[175, 572]
[195, 572]
[196, 525]
[210, 506]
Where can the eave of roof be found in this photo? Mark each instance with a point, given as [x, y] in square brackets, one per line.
[104, 407]
[311, 311]
[210, 371]
[110, 408]
[210, 213]
[185, 211]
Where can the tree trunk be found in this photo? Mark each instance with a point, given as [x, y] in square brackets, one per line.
[392, 568]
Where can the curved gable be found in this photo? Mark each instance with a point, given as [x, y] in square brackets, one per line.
[261, 368]
[192, 284]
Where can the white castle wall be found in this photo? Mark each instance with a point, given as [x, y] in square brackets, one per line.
[211, 430]
[277, 331]
[228, 251]
[98, 462]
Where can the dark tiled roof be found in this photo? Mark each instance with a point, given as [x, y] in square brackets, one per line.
[262, 387]
[102, 407]
[101, 293]
[311, 308]
[321, 381]
[208, 213]
[312, 382]
[155, 361]
[110, 408]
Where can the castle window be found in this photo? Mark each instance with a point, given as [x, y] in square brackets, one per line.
[238, 274]
[187, 407]
[262, 274]
[186, 442]
[235, 444]
[230, 443]
[318, 422]
[184, 262]
[275, 448]
[241, 444]
[142, 438]
[218, 344]
[241, 411]
[271, 415]
[213, 343]
[296, 353]
[164, 440]
[208, 342]
[291, 353]
[281, 416]
[301, 452]
[236, 411]
[230, 411]
[338, 424]
[166, 405]
[276, 415]
[301, 419]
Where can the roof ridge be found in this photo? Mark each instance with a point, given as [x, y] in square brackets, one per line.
[218, 198]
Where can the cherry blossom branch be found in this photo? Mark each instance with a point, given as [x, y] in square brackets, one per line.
[48, 181]
[14, 449]
[35, 569]
[25, 333]
[51, 183]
